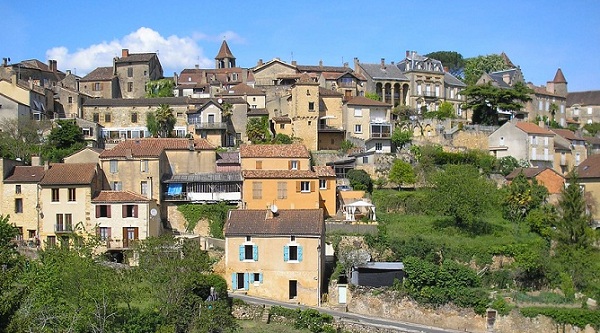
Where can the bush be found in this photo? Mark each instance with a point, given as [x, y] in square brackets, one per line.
[570, 316]
[501, 305]
[360, 180]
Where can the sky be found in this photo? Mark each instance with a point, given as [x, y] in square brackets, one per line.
[539, 36]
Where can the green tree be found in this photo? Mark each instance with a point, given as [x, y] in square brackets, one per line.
[507, 164]
[452, 60]
[360, 180]
[281, 138]
[445, 111]
[22, 137]
[11, 263]
[64, 139]
[402, 137]
[574, 221]
[227, 109]
[486, 99]
[403, 112]
[152, 124]
[521, 196]
[373, 96]
[257, 130]
[592, 128]
[553, 109]
[160, 88]
[165, 120]
[476, 66]
[460, 192]
[402, 173]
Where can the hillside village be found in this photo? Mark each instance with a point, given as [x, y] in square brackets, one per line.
[128, 185]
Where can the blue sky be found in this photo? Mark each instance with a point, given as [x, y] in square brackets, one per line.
[539, 36]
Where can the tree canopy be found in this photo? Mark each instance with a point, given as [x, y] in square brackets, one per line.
[160, 88]
[485, 101]
[257, 130]
[521, 196]
[445, 111]
[402, 173]
[161, 122]
[452, 60]
[476, 66]
[65, 138]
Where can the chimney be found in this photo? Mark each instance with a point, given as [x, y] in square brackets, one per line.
[36, 160]
[407, 53]
[345, 65]
[260, 62]
[46, 166]
[541, 124]
[382, 63]
[320, 63]
[294, 63]
[68, 72]
[124, 53]
[197, 66]
[4, 62]
[52, 65]
[191, 145]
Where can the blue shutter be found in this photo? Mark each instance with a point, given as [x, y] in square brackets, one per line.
[260, 277]
[246, 281]
[255, 252]
[299, 253]
[233, 281]
[242, 254]
[286, 253]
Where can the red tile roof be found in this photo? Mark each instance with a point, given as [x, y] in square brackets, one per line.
[531, 128]
[26, 174]
[153, 147]
[119, 196]
[295, 150]
[292, 222]
[363, 101]
[70, 174]
[324, 171]
[567, 134]
[288, 174]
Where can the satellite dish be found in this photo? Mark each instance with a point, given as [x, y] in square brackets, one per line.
[220, 100]
[153, 212]
[274, 208]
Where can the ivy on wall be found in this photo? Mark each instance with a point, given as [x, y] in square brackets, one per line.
[214, 213]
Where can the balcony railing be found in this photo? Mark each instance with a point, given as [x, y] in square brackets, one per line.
[218, 125]
[63, 228]
[541, 158]
[325, 128]
[205, 197]
[381, 135]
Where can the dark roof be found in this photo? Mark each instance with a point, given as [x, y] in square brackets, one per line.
[559, 77]
[228, 157]
[99, 74]
[452, 80]
[119, 196]
[498, 77]
[69, 174]
[507, 60]
[295, 150]
[592, 140]
[590, 168]
[320, 68]
[26, 174]
[220, 177]
[283, 119]
[329, 92]
[153, 147]
[241, 89]
[567, 134]
[583, 98]
[527, 172]
[257, 112]
[364, 101]
[224, 51]
[387, 72]
[296, 222]
[136, 57]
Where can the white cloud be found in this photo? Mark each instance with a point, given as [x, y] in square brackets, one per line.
[175, 53]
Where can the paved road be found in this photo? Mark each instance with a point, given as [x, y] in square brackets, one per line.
[351, 317]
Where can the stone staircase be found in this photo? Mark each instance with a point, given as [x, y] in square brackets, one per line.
[266, 314]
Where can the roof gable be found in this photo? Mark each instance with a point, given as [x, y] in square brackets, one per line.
[70, 174]
[531, 128]
[119, 196]
[153, 147]
[364, 101]
[26, 174]
[295, 150]
[289, 222]
[590, 168]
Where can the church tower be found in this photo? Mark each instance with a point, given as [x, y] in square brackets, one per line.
[224, 58]
[558, 85]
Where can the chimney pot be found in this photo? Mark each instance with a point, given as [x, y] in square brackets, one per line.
[294, 63]
[407, 53]
[382, 62]
[124, 53]
[320, 63]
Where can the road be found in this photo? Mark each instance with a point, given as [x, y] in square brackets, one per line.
[351, 317]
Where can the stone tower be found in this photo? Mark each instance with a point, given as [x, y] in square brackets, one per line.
[224, 58]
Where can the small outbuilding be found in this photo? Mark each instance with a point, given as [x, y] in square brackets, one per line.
[377, 274]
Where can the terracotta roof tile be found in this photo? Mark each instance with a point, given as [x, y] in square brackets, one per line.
[153, 147]
[324, 171]
[70, 174]
[224, 51]
[293, 222]
[242, 89]
[531, 128]
[559, 77]
[590, 168]
[329, 93]
[119, 196]
[295, 150]
[567, 134]
[363, 101]
[26, 174]
[303, 174]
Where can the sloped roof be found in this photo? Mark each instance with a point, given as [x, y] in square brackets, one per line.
[527, 172]
[224, 51]
[320, 68]
[26, 174]
[329, 93]
[363, 101]
[295, 150]
[583, 98]
[241, 89]
[69, 174]
[143, 101]
[136, 57]
[559, 77]
[387, 72]
[228, 157]
[119, 196]
[153, 147]
[507, 60]
[452, 80]
[217, 177]
[292, 222]
[99, 74]
[531, 128]
[324, 171]
[274, 174]
[257, 112]
[567, 134]
[498, 77]
[590, 168]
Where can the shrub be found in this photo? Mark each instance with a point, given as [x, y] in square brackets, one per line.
[570, 316]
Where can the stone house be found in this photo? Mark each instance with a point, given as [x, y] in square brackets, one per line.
[369, 121]
[572, 150]
[583, 107]
[25, 100]
[523, 141]
[349, 83]
[282, 176]
[101, 83]
[555, 92]
[588, 173]
[277, 254]
[39, 73]
[549, 178]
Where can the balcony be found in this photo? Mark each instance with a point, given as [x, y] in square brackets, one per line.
[547, 158]
[63, 228]
[204, 197]
[208, 125]
[381, 131]
[327, 128]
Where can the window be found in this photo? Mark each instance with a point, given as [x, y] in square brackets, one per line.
[357, 128]
[97, 86]
[378, 146]
[292, 238]
[257, 277]
[358, 112]
[130, 211]
[365, 159]
[311, 106]
[248, 252]
[51, 241]
[282, 126]
[55, 195]
[589, 110]
[144, 165]
[281, 190]
[134, 117]
[130, 72]
[258, 165]
[145, 73]
[18, 205]
[104, 233]
[96, 117]
[256, 190]
[114, 166]
[129, 86]
[117, 186]
[292, 253]
[18, 189]
[107, 118]
[304, 186]
[103, 211]
[323, 184]
[248, 238]
[144, 187]
[72, 193]
[534, 140]
[70, 100]
[87, 131]
[294, 165]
